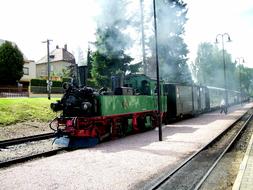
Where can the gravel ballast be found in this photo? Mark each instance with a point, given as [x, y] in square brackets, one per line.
[24, 129]
[128, 163]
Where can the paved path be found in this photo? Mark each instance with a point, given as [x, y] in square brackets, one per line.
[244, 180]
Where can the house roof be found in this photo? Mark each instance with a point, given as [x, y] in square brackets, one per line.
[59, 54]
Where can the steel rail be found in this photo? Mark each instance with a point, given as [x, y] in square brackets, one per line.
[161, 181]
[21, 140]
[27, 158]
[222, 154]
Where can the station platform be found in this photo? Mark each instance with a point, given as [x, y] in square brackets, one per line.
[132, 162]
[244, 179]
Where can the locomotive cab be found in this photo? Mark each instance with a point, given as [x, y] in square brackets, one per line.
[142, 84]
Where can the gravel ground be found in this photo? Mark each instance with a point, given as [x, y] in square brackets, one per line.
[26, 149]
[23, 129]
[224, 174]
[127, 163]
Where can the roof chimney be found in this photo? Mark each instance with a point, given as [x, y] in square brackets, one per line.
[65, 47]
[57, 47]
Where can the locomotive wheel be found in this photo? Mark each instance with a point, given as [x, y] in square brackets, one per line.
[141, 123]
[124, 127]
[119, 128]
[154, 121]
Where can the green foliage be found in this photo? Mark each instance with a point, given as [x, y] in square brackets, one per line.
[43, 90]
[245, 75]
[105, 66]
[172, 50]
[19, 110]
[66, 79]
[43, 82]
[38, 82]
[67, 72]
[57, 84]
[11, 64]
[111, 42]
[208, 69]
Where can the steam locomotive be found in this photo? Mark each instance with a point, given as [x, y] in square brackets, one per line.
[89, 116]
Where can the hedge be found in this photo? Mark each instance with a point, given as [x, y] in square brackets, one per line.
[66, 79]
[38, 82]
[42, 82]
[43, 90]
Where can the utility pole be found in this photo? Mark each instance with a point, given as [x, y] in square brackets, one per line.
[157, 77]
[143, 39]
[49, 82]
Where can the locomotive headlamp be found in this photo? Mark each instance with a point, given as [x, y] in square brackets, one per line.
[85, 105]
[56, 106]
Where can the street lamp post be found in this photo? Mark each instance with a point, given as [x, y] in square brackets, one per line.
[224, 64]
[239, 65]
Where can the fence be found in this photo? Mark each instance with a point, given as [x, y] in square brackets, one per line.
[12, 92]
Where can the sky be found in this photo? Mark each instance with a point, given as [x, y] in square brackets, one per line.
[208, 18]
[29, 22]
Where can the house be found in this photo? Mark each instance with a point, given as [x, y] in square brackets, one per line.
[60, 61]
[29, 70]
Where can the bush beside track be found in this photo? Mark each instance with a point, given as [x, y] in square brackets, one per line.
[15, 110]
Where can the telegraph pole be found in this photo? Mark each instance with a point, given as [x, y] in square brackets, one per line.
[143, 39]
[49, 82]
[157, 77]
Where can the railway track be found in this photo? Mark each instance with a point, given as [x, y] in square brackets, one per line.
[30, 157]
[10, 149]
[192, 173]
[10, 142]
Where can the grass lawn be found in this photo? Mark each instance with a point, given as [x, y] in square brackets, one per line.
[14, 110]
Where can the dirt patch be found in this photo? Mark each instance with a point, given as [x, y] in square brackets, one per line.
[23, 129]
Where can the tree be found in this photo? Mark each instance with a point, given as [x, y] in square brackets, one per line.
[108, 60]
[205, 63]
[11, 64]
[208, 69]
[172, 50]
[245, 77]
[111, 42]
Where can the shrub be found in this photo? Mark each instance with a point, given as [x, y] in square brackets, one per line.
[57, 84]
[38, 82]
[43, 82]
[66, 79]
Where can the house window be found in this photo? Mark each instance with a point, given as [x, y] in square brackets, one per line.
[26, 70]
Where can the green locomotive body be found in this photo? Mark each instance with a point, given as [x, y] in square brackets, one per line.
[89, 116]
